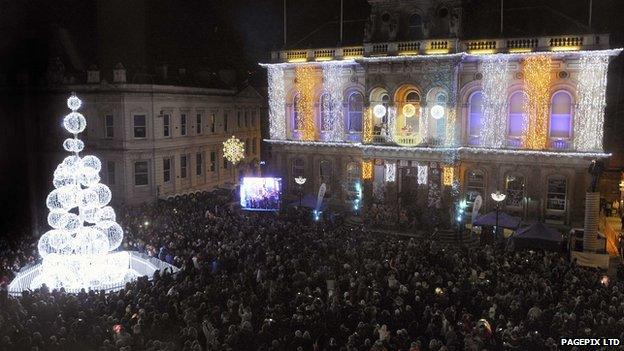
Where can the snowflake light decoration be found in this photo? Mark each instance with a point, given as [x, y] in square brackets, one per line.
[233, 150]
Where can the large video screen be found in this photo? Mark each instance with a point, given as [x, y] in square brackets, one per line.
[260, 194]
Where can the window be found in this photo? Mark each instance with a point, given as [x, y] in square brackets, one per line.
[109, 126]
[356, 104]
[441, 122]
[110, 172]
[561, 115]
[475, 186]
[199, 163]
[238, 119]
[140, 128]
[199, 123]
[556, 197]
[140, 173]
[411, 126]
[166, 170]
[225, 121]
[246, 118]
[514, 184]
[516, 114]
[166, 125]
[326, 110]
[296, 112]
[253, 118]
[183, 124]
[213, 161]
[415, 27]
[182, 166]
[225, 163]
[212, 122]
[247, 148]
[298, 168]
[475, 119]
[253, 146]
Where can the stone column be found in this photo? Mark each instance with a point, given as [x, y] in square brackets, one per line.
[592, 214]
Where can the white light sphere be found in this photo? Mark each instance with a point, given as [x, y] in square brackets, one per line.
[58, 218]
[88, 214]
[437, 111]
[52, 201]
[59, 239]
[67, 196]
[113, 231]
[73, 145]
[72, 164]
[409, 110]
[105, 213]
[74, 103]
[62, 177]
[88, 177]
[92, 162]
[88, 198]
[379, 110]
[44, 246]
[104, 194]
[73, 222]
[74, 122]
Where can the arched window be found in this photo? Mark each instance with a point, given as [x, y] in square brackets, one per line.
[515, 187]
[355, 107]
[475, 116]
[415, 26]
[298, 168]
[561, 115]
[475, 186]
[411, 122]
[295, 113]
[516, 114]
[326, 109]
[440, 100]
[556, 196]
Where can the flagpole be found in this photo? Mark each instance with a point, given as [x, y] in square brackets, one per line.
[284, 22]
[501, 17]
[341, 19]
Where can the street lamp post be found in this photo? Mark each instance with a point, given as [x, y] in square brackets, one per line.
[300, 181]
[498, 197]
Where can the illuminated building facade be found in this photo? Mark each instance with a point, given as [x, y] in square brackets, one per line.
[520, 115]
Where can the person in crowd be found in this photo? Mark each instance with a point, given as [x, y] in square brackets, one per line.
[265, 281]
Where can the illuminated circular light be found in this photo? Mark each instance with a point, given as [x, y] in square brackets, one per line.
[74, 122]
[233, 150]
[498, 196]
[379, 110]
[409, 110]
[300, 180]
[437, 111]
[74, 103]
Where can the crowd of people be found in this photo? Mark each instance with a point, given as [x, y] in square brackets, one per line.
[275, 281]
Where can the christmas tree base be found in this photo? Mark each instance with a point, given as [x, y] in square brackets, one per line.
[110, 274]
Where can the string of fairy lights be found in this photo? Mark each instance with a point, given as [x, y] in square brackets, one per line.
[304, 86]
[277, 103]
[537, 77]
[494, 89]
[591, 89]
[334, 85]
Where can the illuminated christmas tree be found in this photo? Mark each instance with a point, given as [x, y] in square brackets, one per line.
[76, 252]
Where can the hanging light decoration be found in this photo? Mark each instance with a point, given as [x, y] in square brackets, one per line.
[334, 84]
[233, 150]
[447, 175]
[495, 80]
[379, 110]
[277, 103]
[409, 110]
[423, 172]
[390, 171]
[304, 84]
[367, 127]
[367, 169]
[391, 123]
[537, 79]
[437, 111]
[591, 88]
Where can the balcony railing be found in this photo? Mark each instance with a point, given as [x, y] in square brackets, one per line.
[442, 46]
